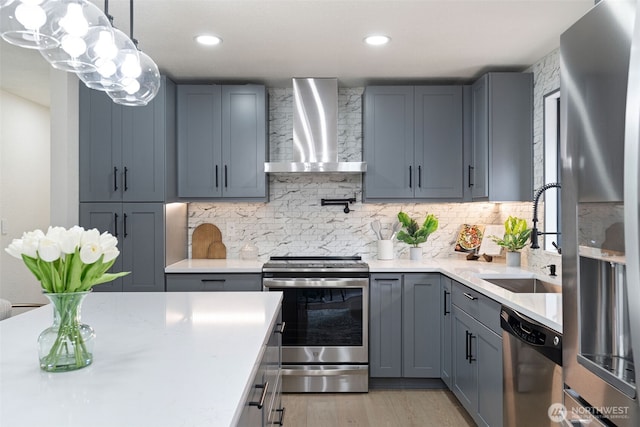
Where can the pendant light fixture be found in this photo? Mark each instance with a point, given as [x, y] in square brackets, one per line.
[80, 25]
[112, 50]
[24, 23]
[142, 77]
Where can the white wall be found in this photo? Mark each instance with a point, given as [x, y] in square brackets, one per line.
[24, 187]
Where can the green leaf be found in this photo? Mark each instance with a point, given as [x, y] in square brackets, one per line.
[107, 277]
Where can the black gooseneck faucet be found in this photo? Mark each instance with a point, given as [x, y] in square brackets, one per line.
[534, 231]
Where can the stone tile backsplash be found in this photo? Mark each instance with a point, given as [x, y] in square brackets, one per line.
[294, 223]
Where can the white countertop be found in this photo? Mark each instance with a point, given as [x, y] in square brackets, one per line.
[160, 359]
[215, 266]
[544, 308]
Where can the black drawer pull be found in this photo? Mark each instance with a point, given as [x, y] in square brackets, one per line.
[264, 388]
[280, 422]
[471, 297]
[377, 279]
[125, 226]
[445, 302]
[212, 280]
[471, 358]
[466, 345]
[126, 187]
[115, 178]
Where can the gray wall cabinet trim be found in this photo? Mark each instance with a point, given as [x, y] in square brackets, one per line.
[502, 137]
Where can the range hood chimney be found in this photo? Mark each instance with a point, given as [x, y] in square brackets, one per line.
[315, 130]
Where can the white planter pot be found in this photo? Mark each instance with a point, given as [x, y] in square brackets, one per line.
[415, 254]
[513, 259]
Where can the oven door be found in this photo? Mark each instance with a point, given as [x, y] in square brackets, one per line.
[326, 318]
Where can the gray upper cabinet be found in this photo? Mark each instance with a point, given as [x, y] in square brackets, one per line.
[501, 166]
[413, 143]
[404, 326]
[222, 138]
[126, 153]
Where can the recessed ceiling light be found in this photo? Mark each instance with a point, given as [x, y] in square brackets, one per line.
[377, 40]
[208, 40]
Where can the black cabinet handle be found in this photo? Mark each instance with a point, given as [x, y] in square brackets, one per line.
[126, 187]
[445, 302]
[125, 225]
[378, 279]
[115, 225]
[471, 358]
[281, 329]
[471, 168]
[216, 176]
[280, 422]
[263, 396]
[466, 345]
[225, 176]
[410, 176]
[471, 297]
[419, 176]
[212, 280]
[115, 178]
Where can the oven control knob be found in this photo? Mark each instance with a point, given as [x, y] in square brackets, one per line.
[556, 340]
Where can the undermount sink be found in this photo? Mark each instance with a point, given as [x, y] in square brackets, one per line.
[528, 285]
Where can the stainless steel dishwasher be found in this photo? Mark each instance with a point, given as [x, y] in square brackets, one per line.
[532, 367]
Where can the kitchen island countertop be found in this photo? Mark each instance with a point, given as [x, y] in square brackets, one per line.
[160, 359]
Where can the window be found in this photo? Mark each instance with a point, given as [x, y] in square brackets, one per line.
[552, 169]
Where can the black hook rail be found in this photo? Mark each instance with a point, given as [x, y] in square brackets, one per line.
[338, 202]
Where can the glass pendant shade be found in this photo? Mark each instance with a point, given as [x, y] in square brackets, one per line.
[141, 89]
[111, 49]
[78, 24]
[25, 23]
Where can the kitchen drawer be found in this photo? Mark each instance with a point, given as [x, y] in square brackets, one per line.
[191, 282]
[478, 306]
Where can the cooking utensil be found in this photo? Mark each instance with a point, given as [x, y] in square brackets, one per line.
[396, 227]
[375, 225]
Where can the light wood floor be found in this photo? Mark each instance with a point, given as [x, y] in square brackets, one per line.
[378, 408]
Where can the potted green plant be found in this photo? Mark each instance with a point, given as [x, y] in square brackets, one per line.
[516, 235]
[414, 234]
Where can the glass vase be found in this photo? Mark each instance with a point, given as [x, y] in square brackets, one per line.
[66, 345]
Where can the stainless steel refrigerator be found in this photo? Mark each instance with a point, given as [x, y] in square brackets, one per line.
[600, 132]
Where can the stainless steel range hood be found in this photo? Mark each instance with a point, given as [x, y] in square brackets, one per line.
[315, 130]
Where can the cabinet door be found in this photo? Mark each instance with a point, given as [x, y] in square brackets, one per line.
[100, 149]
[421, 326]
[143, 246]
[385, 326]
[244, 141]
[489, 355]
[190, 282]
[445, 331]
[465, 380]
[438, 142]
[388, 142]
[105, 217]
[199, 141]
[479, 173]
[143, 151]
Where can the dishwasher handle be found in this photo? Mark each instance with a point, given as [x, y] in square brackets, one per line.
[539, 337]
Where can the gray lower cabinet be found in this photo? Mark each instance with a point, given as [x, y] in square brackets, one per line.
[126, 153]
[195, 282]
[446, 325]
[501, 166]
[477, 355]
[222, 141]
[404, 326]
[413, 143]
[263, 406]
[139, 228]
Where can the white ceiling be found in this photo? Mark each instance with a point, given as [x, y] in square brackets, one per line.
[270, 41]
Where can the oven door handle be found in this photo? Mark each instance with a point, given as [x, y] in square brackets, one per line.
[323, 371]
[315, 283]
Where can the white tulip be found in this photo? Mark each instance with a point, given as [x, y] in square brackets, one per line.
[48, 250]
[107, 241]
[15, 248]
[90, 236]
[55, 233]
[70, 239]
[30, 242]
[110, 253]
[90, 253]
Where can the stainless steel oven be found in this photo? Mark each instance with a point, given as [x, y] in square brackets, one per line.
[325, 345]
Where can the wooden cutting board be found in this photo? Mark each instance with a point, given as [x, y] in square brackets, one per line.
[206, 242]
